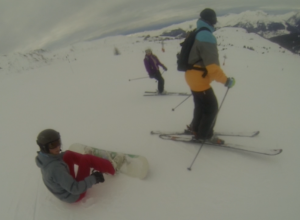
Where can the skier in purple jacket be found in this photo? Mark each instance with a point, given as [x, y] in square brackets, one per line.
[152, 64]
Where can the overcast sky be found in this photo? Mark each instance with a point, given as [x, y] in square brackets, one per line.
[49, 24]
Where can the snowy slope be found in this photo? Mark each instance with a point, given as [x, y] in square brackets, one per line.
[89, 99]
[294, 20]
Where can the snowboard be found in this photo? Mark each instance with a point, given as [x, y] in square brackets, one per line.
[134, 165]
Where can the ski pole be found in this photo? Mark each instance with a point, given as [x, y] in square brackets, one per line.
[142, 77]
[173, 109]
[161, 74]
[190, 167]
[70, 64]
[139, 78]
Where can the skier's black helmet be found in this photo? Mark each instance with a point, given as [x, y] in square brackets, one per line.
[46, 137]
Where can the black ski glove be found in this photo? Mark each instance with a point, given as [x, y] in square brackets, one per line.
[99, 177]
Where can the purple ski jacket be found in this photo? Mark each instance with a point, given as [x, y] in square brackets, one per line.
[152, 64]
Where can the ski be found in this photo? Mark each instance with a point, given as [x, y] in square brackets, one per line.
[189, 139]
[167, 92]
[233, 134]
[152, 93]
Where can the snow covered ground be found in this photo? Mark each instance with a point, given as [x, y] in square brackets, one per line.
[89, 99]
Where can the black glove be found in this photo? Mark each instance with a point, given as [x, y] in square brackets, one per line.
[99, 177]
[165, 68]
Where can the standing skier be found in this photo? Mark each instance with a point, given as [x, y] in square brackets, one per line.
[152, 64]
[204, 54]
[58, 168]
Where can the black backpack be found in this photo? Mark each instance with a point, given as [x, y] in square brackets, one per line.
[186, 46]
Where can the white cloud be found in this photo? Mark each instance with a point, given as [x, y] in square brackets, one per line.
[34, 24]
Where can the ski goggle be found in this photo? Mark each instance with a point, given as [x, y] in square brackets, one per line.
[54, 144]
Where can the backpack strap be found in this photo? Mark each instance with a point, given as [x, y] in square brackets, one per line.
[203, 29]
[201, 68]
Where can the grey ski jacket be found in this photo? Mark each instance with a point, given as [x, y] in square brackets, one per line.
[58, 180]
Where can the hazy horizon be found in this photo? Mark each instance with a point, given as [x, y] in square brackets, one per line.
[31, 24]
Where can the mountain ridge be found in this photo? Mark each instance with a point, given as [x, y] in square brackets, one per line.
[259, 22]
[25, 61]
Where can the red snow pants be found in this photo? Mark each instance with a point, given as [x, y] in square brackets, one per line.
[85, 162]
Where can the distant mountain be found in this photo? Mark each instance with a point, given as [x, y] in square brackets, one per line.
[266, 25]
[294, 23]
[281, 29]
[288, 41]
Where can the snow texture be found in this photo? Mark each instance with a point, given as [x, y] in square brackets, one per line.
[84, 92]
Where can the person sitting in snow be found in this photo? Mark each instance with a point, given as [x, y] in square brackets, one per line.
[58, 168]
[204, 54]
[152, 64]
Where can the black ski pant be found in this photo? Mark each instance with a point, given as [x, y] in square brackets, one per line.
[161, 82]
[205, 112]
